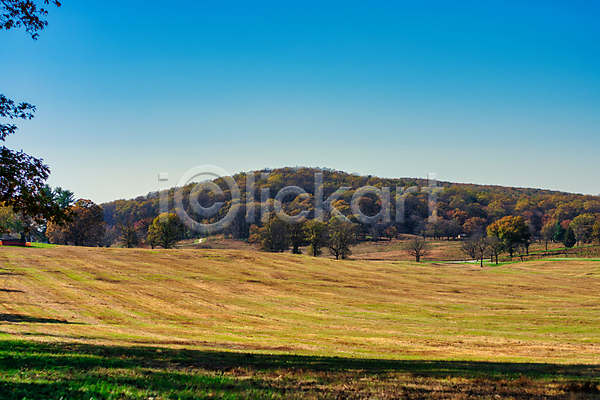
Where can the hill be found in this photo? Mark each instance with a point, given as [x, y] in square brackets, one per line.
[407, 204]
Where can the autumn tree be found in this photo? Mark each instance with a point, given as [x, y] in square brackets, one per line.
[86, 228]
[512, 231]
[316, 237]
[474, 227]
[417, 248]
[22, 176]
[166, 230]
[341, 236]
[390, 233]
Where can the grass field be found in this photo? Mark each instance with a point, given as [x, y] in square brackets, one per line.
[118, 323]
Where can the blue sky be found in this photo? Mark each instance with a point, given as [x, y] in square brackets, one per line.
[491, 92]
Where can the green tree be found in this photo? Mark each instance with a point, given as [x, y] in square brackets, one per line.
[274, 236]
[298, 236]
[569, 239]
[316, 237]
[341, 236]
[166, 230]
[512, 231]
[559, 232]
[10, 222]
[22, 176]
[583, 227]
[596, 231]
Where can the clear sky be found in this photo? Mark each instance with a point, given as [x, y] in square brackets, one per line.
[492, 92]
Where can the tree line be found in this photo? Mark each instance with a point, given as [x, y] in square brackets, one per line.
[461, 209]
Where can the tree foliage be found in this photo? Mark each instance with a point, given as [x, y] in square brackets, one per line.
[86, 228]
[569, 240]
[583, 227]
[10, 222]
[341, 235]
[128, 233]
[166, 230]
[316, 237]
[461, 208]
[274, 236]
[596, 232]
[22, 176]
[512, 231]
[298, 235]
[24, 13]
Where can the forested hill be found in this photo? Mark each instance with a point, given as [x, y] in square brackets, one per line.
[460, 208]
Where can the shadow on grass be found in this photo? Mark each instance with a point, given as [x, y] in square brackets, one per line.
[11, 291]
[26, 318]
[36, 370]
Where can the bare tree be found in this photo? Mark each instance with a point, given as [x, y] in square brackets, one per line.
[494, 247]
[476, 248]
[417, 248]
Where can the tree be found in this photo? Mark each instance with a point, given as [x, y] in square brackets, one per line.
[22, 176]
[298, 236]
[569, 239]
[494, 247]
[25, 13]
[417, 248]
[341, 236]
[390, 233]
[316, 237]
[596, 231]
[10, 222]
[86, 228]
[469, 249]
[548, 232]
[476, 248]
[166, 230]
[128, 233]
[559, 232]
[474, 227]
[274, 236]
[583, 227]
[512, 231]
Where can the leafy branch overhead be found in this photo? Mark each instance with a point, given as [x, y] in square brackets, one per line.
[27, 14]
[22, 177]
[8, 109]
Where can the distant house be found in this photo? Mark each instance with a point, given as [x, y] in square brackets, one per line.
[461, 236]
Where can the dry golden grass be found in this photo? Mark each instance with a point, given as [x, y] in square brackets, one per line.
[537, 311]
